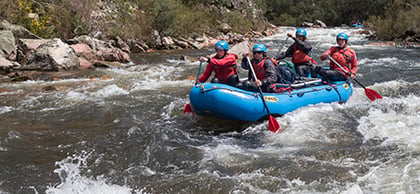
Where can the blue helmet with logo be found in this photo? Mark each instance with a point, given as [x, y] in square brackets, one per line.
[222, 45]
[342, 36]
[259, 48]
[301, 32]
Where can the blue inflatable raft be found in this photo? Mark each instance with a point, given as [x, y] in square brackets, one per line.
[227, 102]
[357, 25]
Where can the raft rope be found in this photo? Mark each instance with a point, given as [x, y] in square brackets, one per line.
[335, 88]
[289, 89]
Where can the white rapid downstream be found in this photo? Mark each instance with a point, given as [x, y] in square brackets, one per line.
[127, 134]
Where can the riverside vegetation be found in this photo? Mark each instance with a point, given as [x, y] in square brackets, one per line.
[141, 19]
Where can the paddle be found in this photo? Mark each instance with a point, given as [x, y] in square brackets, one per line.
[273, 125]
[281, 48]
[371, 94]
[188, 108]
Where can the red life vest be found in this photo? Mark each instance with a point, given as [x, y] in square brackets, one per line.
[299, 56]
[259, 68]
[342, 57]
[224, 67]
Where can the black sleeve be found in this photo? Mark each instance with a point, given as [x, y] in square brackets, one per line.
[245, 64]
[288, 53]
[270, 71]
[304, 45]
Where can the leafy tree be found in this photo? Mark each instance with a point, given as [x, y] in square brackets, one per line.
[398, 17]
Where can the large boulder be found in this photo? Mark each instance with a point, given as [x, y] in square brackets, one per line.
[85, 54]
[320, 23]
[94, 43]
[7, 45]
[18, 31]
[54, 55]
[100, 49]
[241, 48]
[137, 46]
[113, 54]
[25, 48]
[7, 66]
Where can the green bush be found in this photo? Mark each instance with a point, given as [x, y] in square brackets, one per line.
[397, 19]
[137, 18]
[237, 21]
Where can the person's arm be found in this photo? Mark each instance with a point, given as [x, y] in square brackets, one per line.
[270, 71]
[353, 63]
[324, 56]
[304, 45]
[288, 53]
[244, 63]
[209, 69]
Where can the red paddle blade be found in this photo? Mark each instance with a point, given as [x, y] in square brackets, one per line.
[188, 109]
[372, 94]
[273, 125]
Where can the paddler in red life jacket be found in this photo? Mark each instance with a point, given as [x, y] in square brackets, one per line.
[300, 51]
[264, 68]
[344, 56]
[223, 64]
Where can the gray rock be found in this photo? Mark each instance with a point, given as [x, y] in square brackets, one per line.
[225, 28]
[320, 23]
[54, 55]
[25, 48]
[7, 45]
[18, 31]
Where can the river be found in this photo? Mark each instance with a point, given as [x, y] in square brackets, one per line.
[128, 134]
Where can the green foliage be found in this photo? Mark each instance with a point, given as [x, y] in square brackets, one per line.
[35, 18]
[241, 24]
[137, 18]
[399, 16]
[171, 18]
[58, 19]
[332, 12]
[132, 20]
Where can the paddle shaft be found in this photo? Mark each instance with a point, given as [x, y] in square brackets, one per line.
[278, 52]
[259, 88]
[371, 94]
[198, 73]
[329, 57]
[188, 108]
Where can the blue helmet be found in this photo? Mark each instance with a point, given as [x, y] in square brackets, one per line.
[301, 32]
[341, 36]
[259, 48]
[222, 45]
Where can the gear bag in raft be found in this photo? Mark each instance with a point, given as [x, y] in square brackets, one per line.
[286, 74]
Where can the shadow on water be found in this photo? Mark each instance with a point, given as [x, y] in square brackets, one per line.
[216, 126]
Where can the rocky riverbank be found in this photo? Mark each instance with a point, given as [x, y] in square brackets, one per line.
[25, 56]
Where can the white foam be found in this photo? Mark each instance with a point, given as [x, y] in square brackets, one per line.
[73, 182]
[395, 176]
[396, 120]
[109, 91]
[304, 126]
[73, 97]
[5, 109]
[382, 62]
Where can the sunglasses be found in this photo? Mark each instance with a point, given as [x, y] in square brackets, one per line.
[258, 52]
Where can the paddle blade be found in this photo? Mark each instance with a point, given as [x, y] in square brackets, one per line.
[273, 125]
[372, 94]
[188, 109]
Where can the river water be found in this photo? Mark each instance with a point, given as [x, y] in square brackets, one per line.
[128, 134]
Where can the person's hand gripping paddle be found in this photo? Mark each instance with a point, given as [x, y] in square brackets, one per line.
[273, 125]
[371, 94]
